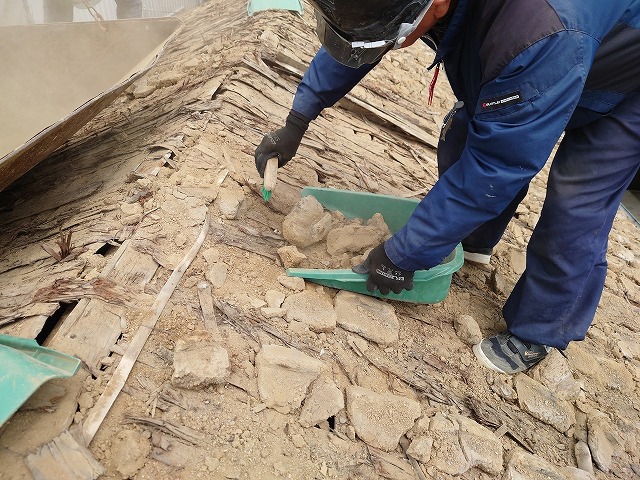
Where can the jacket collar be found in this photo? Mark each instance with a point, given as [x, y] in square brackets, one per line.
[442, 43]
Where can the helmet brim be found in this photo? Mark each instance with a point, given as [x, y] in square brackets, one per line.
[351, 54]
[354, 51]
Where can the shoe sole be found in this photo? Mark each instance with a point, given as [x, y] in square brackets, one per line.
[480, 258]
[484, 360]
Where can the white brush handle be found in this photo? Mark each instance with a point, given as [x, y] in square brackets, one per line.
[270, 174]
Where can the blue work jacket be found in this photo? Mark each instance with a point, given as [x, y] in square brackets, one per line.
[526, 70]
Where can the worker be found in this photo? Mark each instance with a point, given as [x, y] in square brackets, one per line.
[524, 72]
[62, 10]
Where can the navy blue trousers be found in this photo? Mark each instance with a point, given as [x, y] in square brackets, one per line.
[555, 299]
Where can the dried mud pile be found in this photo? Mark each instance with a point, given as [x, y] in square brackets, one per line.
[318, 238]
[247, 373]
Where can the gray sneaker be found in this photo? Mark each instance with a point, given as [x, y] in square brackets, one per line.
[506, 353]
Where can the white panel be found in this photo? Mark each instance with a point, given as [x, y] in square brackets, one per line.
[107, 9]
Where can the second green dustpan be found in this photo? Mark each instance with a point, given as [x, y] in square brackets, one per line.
[430, 286]
[24, 367]
[259, 5]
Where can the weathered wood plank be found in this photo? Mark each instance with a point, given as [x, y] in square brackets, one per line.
[208, 312]
[90, 334]
[29, 327]
[103, 405]
[94, 326]
[63, 458]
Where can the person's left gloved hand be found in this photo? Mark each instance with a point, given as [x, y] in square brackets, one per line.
[383, 274]
[282, 143]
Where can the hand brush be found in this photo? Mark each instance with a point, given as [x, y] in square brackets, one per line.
[270, 178]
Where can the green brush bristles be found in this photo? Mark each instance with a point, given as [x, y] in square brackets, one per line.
[266, 194]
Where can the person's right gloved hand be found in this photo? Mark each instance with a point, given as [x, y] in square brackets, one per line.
[282, 143]
[383, 274]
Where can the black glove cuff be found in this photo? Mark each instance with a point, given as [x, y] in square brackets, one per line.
[298, 121]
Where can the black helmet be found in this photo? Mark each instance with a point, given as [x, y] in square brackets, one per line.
[355, 32]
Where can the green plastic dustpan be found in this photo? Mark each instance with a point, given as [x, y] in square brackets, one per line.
[259, 5]
[24, 367]
[430, 286]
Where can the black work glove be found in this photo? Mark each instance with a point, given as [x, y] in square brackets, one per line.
[282, 143]
[383, 274]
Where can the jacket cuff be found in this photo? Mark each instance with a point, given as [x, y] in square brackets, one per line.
[306, 120]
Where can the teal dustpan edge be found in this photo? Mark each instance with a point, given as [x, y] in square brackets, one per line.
[24, 367]
[259, 5]
[395, 210]
[430, 286]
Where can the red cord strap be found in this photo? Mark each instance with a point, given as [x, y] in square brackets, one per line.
[432, 85]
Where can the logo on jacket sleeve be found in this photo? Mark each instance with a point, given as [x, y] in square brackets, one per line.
[502, 101]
